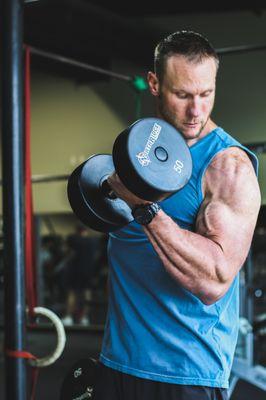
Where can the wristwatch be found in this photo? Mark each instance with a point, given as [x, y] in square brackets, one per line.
[144, 214]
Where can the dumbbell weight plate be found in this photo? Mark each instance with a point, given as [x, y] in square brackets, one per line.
[88, 199]
[80, 381]
[152, 158]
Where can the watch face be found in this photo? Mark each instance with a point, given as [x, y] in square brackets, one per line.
[143, 215]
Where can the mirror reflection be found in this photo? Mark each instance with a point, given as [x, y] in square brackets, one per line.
[72, 270]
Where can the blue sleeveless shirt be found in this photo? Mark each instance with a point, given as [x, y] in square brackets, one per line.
[156, 329]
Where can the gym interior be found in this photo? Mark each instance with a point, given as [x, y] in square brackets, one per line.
[73, 77]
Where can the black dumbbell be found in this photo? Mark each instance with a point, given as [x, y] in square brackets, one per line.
[81, 380]
[152, 160]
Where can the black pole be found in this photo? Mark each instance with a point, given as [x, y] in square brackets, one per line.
[75, 63]
[240, 49]
[13, 194]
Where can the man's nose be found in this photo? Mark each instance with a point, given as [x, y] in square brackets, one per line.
[194, 109]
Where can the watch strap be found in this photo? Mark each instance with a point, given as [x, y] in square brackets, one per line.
[155, 208]
[151, 209]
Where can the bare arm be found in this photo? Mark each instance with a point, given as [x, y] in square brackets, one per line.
[205, 262]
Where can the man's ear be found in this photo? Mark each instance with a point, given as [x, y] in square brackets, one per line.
[153, 83]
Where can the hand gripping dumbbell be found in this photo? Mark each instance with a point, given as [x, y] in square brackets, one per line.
[151, 159]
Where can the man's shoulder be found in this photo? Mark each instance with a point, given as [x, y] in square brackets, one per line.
[232, 152]
[232, 161]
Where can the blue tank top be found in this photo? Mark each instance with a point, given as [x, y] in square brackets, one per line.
[156, 329]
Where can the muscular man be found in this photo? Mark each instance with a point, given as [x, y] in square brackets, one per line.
[172, 323]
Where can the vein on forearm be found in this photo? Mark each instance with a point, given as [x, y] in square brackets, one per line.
[189, 257]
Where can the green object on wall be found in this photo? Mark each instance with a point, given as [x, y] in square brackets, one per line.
[139, 83]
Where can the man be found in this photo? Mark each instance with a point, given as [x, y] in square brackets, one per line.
[172, 324]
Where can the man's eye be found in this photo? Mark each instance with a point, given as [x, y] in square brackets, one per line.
[181, 95]
[206, 94]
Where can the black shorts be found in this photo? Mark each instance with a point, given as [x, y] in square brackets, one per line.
[115, 385]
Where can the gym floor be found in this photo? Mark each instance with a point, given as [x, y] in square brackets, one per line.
[83, 342]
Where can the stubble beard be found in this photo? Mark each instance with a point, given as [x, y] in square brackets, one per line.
[171, 118]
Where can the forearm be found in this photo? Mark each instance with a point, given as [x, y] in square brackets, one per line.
[196, 262]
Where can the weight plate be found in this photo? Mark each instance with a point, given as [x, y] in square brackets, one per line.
[88, 200]
[80, 381]
[152, 158]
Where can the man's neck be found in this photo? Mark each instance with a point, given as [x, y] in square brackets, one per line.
[208, 128]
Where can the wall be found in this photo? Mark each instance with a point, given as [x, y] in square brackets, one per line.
[69, 123]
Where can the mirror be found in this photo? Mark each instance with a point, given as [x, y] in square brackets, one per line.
[72, 270]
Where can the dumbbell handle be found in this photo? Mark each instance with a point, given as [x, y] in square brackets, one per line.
[107, 190]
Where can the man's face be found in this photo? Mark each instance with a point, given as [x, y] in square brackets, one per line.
[185, 97]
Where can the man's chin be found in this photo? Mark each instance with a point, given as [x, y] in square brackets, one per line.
[191, 132]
